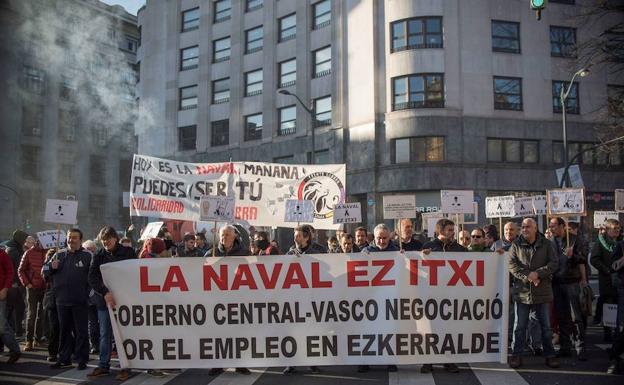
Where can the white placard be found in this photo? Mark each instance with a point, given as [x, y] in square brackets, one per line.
[574, 173]
[399, 206]
[216, 208]
[61, 211]
[151, 230]
[567, 201]
[600, 217]
[609, 315]
[299, 211]
[619, 200]
[52, 238]
[430, 220]
[500, 207]
[523, 206]
[347, 213]
[456, 201]
[539, 205]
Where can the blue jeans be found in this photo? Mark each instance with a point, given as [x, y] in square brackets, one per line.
[542, 313]
[6, 333]
[106, 335]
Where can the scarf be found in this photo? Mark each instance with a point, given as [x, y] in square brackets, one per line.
[607, 243]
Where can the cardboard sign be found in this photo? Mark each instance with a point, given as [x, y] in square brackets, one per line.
[430, 220]
[619, 200]
[574, 175]
[299, 211]
[499, 207]
[216, 208]
[52, 238]
[151, 230]
[399, 206]
[567, 201]
[609, 315]
[539, 205]
[523, 206]
[61, 211]
[347, 213]
[600, 217]
[456, 201]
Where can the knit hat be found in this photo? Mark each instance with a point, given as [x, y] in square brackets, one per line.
[20, 236]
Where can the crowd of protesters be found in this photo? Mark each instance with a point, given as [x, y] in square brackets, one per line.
[61, 295]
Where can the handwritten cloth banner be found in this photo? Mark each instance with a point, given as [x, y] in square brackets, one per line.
[171, 189]
[329, 309]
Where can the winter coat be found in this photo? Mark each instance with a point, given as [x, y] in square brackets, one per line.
[525, 258]
[313, 248]
[438, 245]
[412, 245]
[374, 249]
[29, 270]
[617, 254]
[601, 259]
[271, 250]
[236, 250]
[6, 270]
[569, 267]
[15, 251]
[70, 279]
[479, 249]
[182, 252]
[102, 257]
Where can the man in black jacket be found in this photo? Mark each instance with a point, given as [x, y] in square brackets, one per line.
[445, 228]
[17, 292]
[112, 251]
[69, 269]
[407, 240]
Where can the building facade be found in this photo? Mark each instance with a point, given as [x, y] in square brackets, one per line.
[67, 107]
[414, 96]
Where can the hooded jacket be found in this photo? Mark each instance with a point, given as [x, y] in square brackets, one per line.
[236, 250]
[102, 257]
[15, 249]
[539, 257]
[29, 270]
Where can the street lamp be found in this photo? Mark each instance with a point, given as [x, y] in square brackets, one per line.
[565, 91]
[312, 119]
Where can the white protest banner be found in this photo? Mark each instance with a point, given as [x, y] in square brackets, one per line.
[151, 230]
[216, 208]
[347, 213]
[299, 211]
[170, 189]
[61, 211]
[399, 206]
[539, 205]
[500, 207]
[567, 201]
[325, 309]
[52, 238]
[456, 201]
[574, 175]
[600, 217]
[523, 206]
[619, 200]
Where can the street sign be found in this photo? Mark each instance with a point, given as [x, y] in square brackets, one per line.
[619, 200]
[216, 208]
[456, 201]
[51, 238]
[539, 205]
[347, 213]
[567, 201]
[523, 206]
[600, 217]
[61, 211]
[151, 230]
[399, 206]
[299, 211]
[500, 207]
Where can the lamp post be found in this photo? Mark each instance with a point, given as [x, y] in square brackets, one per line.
[565, 91]
[312, 119]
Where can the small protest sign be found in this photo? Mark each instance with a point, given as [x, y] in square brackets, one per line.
[456, 201]
[567, 201]
[51, 238]
[61, 211]
[216, 208]
[399, 206]
[500, 207]
[347, 213]
[299, 211]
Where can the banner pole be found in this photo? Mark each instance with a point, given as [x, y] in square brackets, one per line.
[58, 237]
[214, 240]
[500, 227]
[567, 231]
[457, 222]
[400, 235]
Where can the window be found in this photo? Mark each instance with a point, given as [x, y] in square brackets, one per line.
[253, 127]
[288, 120]
[507, 93]
[220, 133]
[100, 135]
[125, 172]
[419, 149]
[614, 45]
[253, 40]
[418, 91]
[68, 122]
[190, 19]
[322, 14]
[513, 151]
[68, 86]
[562, 41]
[505, 36]
[221, 50]
[97, 205]
[615, 99]
[187, 137]
[611, 155]
[419, 32]
[322, 110]
[287, 27]
[97, 173]
[253, 83]
[322, 62]
[221, 91]
[222, 10]
[66, 162]
[189, 58]
[252, 5]
[287, 73]
[34, 80]
[320, 157]
[131, 44]
[188, 98]
[32, 119]
[572, 101]
[288, 159]
[30, 162]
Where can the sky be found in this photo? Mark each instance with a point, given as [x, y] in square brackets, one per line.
[132, 6]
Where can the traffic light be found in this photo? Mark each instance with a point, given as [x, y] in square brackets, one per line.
[537, 6]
